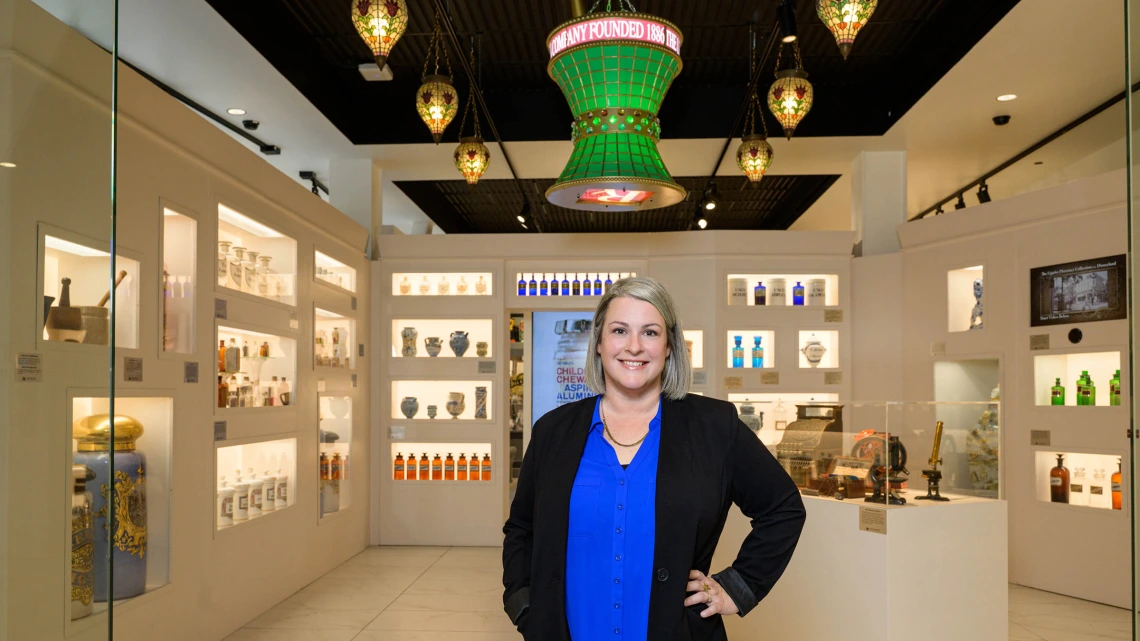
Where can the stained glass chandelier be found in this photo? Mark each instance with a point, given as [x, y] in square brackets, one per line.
[471, 156]
[844, 18]
[614, 68]
[790, 97]
[380, 24]
[437, 101]
[754, 154]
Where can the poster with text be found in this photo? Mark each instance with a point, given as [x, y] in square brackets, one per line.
[1080, 292]
[558, 367]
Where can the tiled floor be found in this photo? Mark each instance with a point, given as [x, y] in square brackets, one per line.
[431, 594]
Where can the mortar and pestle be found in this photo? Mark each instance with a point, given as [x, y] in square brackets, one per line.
[81, 324]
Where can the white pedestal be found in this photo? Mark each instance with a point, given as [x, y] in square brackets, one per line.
[938, 574]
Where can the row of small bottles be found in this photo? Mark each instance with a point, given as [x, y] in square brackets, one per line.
[564, 286]
[249, 499]
[177, 312]
[440, 469]
[248, 271]
[757, 352]
[1086, 391]
[776, 293]
[1081, 490]
[229, 356]
[235, 392]
[333, 354]
[330, 277]
[443, 288]
[333, 468]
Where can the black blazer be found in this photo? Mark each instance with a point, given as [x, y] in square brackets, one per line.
[708, 460]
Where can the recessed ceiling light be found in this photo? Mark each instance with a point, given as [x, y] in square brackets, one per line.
[1006, 97]
[8, 165]
[241, 112]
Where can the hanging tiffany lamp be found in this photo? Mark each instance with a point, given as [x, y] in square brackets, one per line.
[844, 19]
[471, 156]
[790, 98]
[380, 24]
[754, 154]
[437, 101]
[614, 68]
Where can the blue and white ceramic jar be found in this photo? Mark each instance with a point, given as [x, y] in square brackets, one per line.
[410, 406]
[459, 343]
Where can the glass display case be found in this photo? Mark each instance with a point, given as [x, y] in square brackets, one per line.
[1079, 479]
[331, 271]
[1078, 379]
[254, 480]
[254, 369]
[695, 343]
[179, 281]
[442, 284]
[442, 462]
[819, 349]
[466, 400]
[334, 437]
[140, 537]
[334, 340]
[965, 295]
[750, 349]
[442, 338]
[76, 292]
[771, 412]
[555, 284]
[783, 290]
[255, 259]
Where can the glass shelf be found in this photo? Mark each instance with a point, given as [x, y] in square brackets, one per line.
[747, 343]
[449, 284]
[568, 283]
[85, 269]
[440, 462]
[252, 379]
[332, 271]
[334, 340]
[255, 259]
[179, 269]
[334, 437]
[438, 395]
[1087, 481]
[1101, 366]
[819, 290]
[411, 336]
[810, 344]
[964, 291]
[695, 343]
[243, 468]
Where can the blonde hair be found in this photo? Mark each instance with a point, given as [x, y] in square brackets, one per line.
[678, 372]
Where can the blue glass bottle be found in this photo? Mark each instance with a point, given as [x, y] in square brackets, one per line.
[544, 286]
[587, 287]
[798, 294]
[565, 285]
[532, 289]
[737, 353]
[522, 285]
[554, 289]
[757, 352]
[760, 294]
[608, 283]
[598, 291]
[577, 290]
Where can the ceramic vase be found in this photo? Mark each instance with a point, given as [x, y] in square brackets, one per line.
[459, 343]
[813, 351]
[816, 292]
[82, 543]
[748, 417]
[433, 345]
[433, 411]
[481, 286]
[455, 405]
[481, 349]
[409, 335]
[480, 402]
[405, 287]
[409, 406]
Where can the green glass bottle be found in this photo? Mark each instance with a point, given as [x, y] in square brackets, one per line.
[1114, 389]
[1082, 383]
[1089, 391]
[1058, 394]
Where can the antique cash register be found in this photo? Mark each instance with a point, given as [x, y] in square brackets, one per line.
[811, 442]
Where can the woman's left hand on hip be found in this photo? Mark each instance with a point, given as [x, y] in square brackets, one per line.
[706, 590]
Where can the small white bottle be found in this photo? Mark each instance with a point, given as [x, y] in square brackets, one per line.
[225, 505]
[1079, 488]
[281, 496]
[256, 492]
[241, 500]
[269, 489]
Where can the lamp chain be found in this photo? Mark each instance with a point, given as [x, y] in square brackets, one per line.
[471, 103]
[628, 6]
[434, 46]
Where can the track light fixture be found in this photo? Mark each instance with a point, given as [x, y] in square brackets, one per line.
[939, 212]
[710, 198]
[786, 13]
[524, 217]
[961, 204]
[984, 193]
[699, 219]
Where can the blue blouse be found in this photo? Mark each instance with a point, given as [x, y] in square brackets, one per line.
[609, 551]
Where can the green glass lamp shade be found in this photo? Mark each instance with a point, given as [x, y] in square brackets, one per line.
[614, 70]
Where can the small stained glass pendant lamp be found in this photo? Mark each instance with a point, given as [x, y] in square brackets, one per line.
[791, 96]
[437, 101]
[754, 154]
[471, 156]
[380, 24]
[844, 18]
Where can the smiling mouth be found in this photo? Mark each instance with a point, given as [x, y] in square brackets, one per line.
[634, 365]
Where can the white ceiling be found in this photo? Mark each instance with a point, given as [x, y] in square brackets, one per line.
[1061, 58]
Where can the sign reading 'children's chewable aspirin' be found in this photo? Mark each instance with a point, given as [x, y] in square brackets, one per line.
[615, 28]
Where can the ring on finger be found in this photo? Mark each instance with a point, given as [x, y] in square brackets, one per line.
[709, 595]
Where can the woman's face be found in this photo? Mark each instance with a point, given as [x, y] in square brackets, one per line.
[633, 346]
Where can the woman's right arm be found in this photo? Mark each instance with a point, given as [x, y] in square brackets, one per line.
[518, 542]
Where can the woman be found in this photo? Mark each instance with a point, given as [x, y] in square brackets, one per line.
[622, 498]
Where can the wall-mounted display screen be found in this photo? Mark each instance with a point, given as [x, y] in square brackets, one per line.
[558, 369]
[1081, 292]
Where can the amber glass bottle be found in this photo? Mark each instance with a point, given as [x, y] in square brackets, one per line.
[425, 468]
[1116, 495]
[398, 468]
[486, 467]
[324, 463]
[449, 468]
[1059, 481]
[436, 468]
[222, 357]
[461, 469]
[334, 467]
[410, 468]
[223, 391]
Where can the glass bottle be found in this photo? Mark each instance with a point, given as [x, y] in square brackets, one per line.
[760, 294]
[410, 468]
[587, 286]
[1090, 391]
[249, 272]
[1114, 391]
[443, 288]
[481, 285]
[1117, 496]
[223, 262]
[449, 468]
[281, 497]
[461, 468]
[222, 355]
[233, 357]
[598, 285]
[576, 287]
[1079, 488]
[1057, 394]
[798, 294]
[266, 283]
[1059, 482]
[263, 351]
[532, 287]
[757, 352]
[425, 287]
[436, 468]
[236, 269]
[555, 289]
[544, 286]
[565, 285]
[461, 286]
[522, 285]
[737, 353]
[405, 287]
[244, 349]
[334, 467]
[780, 415]
[486, 467]
[223, 391]
[473, 468]
[1099, 495]
[398, 468]
[283, 391]
[272, 392]
[606, 285]
[425, 469]
[1082, 397]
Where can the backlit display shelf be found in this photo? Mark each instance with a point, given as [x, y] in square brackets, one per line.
[442, 338]
[179, 281]
[1079, 479]
[333, 272]
[473, 464]
[1102, 368]
[334, 340]
[965, 294]
[442, 284]
[77, 290]
[255, 480]
[695, 343]
[254, 369]
[783, 290]
[566, 284]
[254, 258]
[442, 400]
[750, 356]
[334, 462]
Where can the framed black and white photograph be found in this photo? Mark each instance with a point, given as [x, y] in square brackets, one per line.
[1080, 292]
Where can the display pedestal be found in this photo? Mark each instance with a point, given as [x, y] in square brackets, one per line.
[938, 574]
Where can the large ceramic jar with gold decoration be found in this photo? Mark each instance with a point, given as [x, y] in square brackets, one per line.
[127, 484]
[82, 543]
